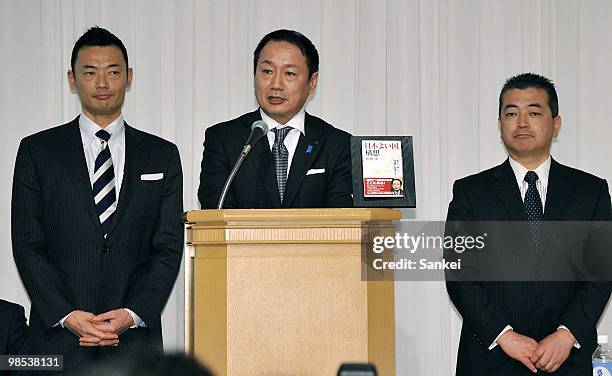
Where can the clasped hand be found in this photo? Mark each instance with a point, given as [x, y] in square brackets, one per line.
[548, 355]
[99, 330]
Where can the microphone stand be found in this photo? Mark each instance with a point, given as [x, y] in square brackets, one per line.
[245, 151]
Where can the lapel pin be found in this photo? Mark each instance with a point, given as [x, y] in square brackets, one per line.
[309, 149]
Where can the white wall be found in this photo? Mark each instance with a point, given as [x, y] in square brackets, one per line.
[430, 68]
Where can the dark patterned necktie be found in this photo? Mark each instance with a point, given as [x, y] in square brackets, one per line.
[104, 183]
[533, 208]
[281, 158]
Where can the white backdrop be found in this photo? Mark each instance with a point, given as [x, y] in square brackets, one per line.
[427, 68]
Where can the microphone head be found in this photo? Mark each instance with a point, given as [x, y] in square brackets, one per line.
[260, 124]
[259, 128]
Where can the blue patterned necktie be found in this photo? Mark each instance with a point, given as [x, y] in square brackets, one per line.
[533, 208]
[281, 158]
[104, 183]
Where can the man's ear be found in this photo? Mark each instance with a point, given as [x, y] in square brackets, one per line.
[556, 126]
[71, 80]
[313, 82]
[130, 74]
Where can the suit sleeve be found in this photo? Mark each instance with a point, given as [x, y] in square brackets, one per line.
[149, 293]
[340, 182]
[485, 318]
[215, 169]
[17, 340]
[583, 312]
[38, 273]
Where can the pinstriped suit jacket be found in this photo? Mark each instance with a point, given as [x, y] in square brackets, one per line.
[64, 260]
[534, 309]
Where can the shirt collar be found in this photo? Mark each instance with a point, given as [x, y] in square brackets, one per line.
[88, 128]
[296, 122]
[543, 170]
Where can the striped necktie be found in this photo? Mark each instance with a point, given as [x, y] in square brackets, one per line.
[104, 183]
[281, 158]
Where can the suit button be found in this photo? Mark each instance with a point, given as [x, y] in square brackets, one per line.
[105, 249]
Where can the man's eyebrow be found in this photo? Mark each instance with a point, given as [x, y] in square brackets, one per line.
[285, 65]
[114, 65]
[511, 105]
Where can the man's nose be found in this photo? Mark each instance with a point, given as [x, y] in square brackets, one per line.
[523, 120]
[277, 82]
[101, 82]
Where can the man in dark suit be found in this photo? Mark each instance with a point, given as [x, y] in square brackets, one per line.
[515, 328]
[302, 161]
[13, 340]
[96, 219]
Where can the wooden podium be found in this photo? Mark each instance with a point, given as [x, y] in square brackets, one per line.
[280, 291]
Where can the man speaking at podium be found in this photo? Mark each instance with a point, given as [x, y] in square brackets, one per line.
[302, 161]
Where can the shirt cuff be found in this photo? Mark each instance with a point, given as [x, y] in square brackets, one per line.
[494, 344]
[138, 323]
[61, 322]
[576, 344]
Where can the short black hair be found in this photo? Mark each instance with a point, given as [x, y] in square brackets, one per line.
[532, 80]
[97, 36]
[297, 39]
[394, 179]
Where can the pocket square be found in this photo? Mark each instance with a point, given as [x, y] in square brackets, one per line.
[314, 171]
[157, 176]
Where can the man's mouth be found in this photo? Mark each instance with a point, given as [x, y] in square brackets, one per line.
[523, 135]
[275, 100]
[103, 97]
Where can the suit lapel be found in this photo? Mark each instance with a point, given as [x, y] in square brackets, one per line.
[503, 183]
[70, 150]
[557, 193]
[136, 158]
[261, 159]
[305, 154]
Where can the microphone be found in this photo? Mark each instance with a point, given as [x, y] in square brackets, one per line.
[258, 129]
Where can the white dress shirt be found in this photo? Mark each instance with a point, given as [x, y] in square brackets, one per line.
[543, 170]
[92, 146]
[292, 138]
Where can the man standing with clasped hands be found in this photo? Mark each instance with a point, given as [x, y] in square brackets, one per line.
[519, 328]
[96, 219]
